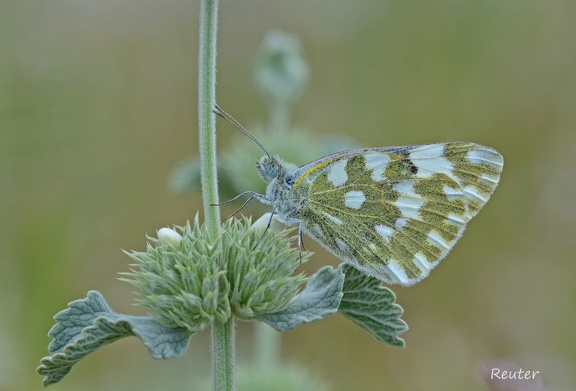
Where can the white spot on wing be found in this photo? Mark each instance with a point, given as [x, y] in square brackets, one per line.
[316, 231]
[398, 272]
[406, 188]
[478, 156]
[376, 162]
[431, 151]
[378, 174]
[472, 193]
[422, 263]
[435, 239]
[488, 179]
[452, 194]
[401, 223]
[429, 159]
[455, 219]
[335, 220]
[337, 175]
[354, 199]
[409, 202]
[384, 231]
[409, 207]
[341, 245]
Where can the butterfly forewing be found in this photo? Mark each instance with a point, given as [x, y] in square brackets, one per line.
[394, 213]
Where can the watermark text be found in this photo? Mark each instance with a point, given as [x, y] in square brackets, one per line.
[519, 374]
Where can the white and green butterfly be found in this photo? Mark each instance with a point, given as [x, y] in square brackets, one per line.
[394, 212]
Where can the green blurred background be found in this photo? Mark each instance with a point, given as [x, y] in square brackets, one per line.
[98, 104]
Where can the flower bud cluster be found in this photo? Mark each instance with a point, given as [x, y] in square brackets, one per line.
[188, 279]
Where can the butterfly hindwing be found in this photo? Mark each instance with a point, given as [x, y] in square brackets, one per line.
[394, 213]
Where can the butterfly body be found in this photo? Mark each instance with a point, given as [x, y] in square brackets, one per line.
[392, 213]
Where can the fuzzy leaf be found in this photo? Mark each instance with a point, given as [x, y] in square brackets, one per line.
[90, 323]
[372, 307]
[320, 298]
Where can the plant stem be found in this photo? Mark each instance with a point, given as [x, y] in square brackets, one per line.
[206, 118]
[223, 355]
[279, 117]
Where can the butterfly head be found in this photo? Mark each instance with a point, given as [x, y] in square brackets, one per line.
[270, 168]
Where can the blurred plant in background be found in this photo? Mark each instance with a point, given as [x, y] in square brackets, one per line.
[281, 75]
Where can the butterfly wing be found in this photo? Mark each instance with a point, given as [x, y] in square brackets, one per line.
[394, 213]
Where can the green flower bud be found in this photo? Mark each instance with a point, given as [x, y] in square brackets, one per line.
[281, 72]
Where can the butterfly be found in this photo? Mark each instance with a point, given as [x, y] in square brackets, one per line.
[392, 212]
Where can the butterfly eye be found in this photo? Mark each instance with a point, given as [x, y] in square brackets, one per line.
[267, 169]
[289, 180]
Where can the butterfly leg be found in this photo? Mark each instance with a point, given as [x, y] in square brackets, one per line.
[260, 197]
[253, 194]
[239, 209]
[301, 247]
[265, 230]
[300, 242]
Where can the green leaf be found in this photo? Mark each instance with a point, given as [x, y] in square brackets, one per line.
[372, 307]
[90, 323]
[320, 298]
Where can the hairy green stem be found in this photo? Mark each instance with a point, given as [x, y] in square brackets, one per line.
[223, 355]
[206, 118]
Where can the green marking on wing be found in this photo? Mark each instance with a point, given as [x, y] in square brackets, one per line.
[478, 168]
[401, 227]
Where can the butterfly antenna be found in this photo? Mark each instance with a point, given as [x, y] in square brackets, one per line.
[219, 112]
